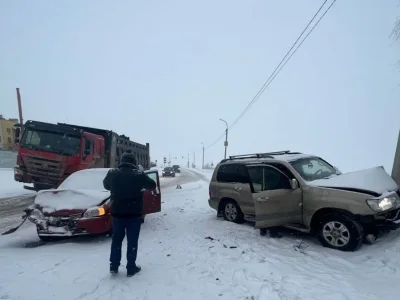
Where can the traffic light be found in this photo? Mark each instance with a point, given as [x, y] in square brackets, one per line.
[165, 160]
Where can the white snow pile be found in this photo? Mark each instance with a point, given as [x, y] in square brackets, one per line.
[374, 179]
[186, 252]
[9, 187]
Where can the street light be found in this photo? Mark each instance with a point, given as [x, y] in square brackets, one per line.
[202, 165]
[226, 136]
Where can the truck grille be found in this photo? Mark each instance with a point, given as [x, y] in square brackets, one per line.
[43, 167]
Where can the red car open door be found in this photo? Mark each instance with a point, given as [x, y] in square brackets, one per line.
[152, 199]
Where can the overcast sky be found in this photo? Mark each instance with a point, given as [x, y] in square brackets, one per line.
[164, 72]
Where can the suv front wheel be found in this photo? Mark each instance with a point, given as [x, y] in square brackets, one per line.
[232, 212]
[339, 231]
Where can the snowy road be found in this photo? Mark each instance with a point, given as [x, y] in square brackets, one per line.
[187, 253]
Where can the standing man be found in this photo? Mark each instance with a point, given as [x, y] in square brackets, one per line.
[126, 184]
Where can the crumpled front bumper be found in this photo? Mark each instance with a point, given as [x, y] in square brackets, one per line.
[385, 221]
[55, 226]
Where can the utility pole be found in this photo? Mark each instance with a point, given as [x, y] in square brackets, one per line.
[21, 121]
[226, 136]
[202, 162]
[188, 160]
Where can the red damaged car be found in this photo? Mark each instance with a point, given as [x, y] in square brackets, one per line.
[81, 205]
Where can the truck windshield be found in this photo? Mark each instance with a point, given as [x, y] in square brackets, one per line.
[51, 142]
[313, 168]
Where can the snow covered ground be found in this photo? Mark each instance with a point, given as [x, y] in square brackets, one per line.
[187, 253]
[9, 187]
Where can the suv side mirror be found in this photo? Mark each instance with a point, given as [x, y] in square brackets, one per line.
[294, 184]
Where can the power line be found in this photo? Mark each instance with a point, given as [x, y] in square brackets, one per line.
[279, 67]
[266, 83]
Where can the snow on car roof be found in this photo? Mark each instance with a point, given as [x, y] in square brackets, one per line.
[292, 157]
[281, 157]
[88, 179]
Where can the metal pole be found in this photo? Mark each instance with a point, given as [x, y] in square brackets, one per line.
[226, 136]
[202, 162]
[21, 121]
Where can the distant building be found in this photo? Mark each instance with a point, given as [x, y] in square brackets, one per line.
[7, 134]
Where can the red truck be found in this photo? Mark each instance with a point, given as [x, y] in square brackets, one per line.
[49, 153]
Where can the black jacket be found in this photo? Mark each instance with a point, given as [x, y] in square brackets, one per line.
[126, 184]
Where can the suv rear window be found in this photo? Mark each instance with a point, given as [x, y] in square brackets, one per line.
[233, 173]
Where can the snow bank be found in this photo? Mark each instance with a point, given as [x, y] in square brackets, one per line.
[9, 187]
[207, 173]
[373, 179]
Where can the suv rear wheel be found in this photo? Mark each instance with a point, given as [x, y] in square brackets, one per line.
[339, 231]
[232, 212]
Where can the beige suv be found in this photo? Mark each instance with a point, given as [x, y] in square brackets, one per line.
[306, 193]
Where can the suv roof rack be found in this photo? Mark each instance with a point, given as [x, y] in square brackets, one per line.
[260, 155]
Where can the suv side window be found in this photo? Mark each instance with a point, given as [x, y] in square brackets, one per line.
[266, 178]
[283, 169]
[233, 173]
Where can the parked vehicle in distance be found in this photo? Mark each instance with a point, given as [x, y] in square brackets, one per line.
[176, 168]
[168, 172]
[49, 153]
[81, 205]
[306, 193]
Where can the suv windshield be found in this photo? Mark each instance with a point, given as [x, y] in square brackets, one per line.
[313, 168]
[51, 142]
[168, 169]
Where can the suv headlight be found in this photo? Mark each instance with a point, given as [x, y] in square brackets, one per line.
[383, 204]
[94, 212]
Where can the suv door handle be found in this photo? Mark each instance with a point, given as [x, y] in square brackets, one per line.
[262, 199]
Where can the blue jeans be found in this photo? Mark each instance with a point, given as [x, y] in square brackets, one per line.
[132, 228]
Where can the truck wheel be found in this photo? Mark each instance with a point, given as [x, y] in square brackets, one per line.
[339, 231]
[232, 212]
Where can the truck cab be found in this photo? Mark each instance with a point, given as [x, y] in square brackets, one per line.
[48, 153]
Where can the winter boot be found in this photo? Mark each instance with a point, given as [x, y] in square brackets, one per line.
[113, 269]
[133, 271]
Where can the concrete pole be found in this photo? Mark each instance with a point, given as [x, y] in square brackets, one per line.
[21, 121]
[396, 163]
[226, 136]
